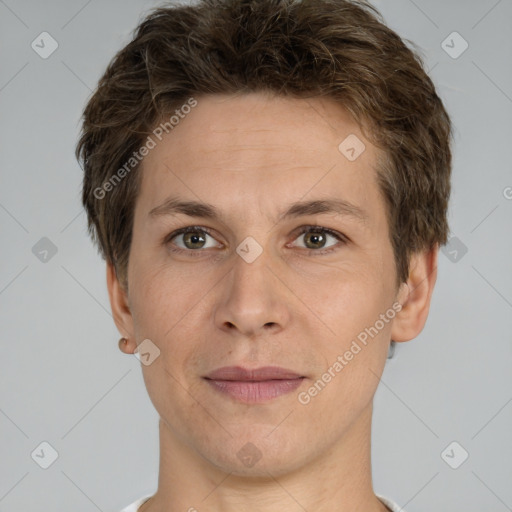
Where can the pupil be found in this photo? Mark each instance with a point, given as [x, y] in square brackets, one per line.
[194, 238]
[316, 237]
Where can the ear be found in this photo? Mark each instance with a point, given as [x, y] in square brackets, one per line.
[120, 310]
[415, 295]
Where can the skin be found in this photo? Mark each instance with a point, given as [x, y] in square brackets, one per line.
[251, 156]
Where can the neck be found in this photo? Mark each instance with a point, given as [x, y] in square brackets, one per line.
[339, 480]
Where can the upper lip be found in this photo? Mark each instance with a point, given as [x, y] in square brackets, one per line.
[239, 373]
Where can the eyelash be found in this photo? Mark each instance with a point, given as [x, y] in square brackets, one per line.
[304, 229]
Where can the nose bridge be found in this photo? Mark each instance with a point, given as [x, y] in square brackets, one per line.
[252, 298]
[251, 277]
[252, 253]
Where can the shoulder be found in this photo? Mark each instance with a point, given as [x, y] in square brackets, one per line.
[394, 507]
[133, 507]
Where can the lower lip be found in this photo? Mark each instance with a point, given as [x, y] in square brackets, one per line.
[255, 392]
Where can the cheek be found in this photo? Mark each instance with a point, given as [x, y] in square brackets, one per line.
[155, 296]
[357, 351]
[350, 298]
[166, 304]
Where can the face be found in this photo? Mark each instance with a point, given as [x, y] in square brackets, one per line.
[253, 286]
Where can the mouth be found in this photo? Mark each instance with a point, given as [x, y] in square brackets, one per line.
[254, 385]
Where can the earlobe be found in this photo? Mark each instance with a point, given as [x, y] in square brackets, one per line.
[120, 310]
[415, 296]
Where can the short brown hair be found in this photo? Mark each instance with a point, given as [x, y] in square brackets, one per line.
[339, 49]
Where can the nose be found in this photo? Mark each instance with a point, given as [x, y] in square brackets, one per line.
[253, 299]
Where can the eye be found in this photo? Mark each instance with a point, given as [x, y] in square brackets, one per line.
[316, 236]
[192, 238]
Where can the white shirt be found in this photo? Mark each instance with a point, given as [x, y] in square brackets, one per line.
[393, 507]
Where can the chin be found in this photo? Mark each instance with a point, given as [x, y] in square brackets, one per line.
[255, 455]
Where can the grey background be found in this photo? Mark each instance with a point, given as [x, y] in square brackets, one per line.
[62, 377]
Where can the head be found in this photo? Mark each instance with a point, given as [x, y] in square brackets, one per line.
[250, 107]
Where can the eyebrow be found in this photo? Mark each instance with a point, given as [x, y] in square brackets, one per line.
[175, 206]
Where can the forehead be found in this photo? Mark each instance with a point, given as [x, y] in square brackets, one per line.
[258, 150]
[224, 123]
